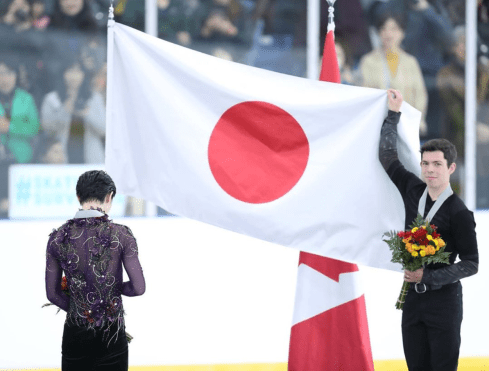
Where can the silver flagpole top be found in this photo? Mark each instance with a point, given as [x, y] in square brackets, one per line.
[331, 25]
[111, 14]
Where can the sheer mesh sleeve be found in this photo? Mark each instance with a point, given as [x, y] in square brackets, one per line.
[53, 278]
[136, 284]
[466, 242]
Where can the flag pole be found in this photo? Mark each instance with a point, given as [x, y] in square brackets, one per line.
[325, 335]
[110, 71]
[313, 27]
[331, 25]
[470, 192]
[151, 18]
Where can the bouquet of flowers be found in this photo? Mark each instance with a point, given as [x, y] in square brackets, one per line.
[65, 289]
[415, 248]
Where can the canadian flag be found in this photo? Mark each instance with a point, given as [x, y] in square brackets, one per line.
[330, 327]
[253, 151]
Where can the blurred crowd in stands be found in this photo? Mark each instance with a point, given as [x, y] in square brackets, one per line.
[53, 64]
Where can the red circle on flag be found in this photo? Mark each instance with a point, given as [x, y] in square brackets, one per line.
[257, 152]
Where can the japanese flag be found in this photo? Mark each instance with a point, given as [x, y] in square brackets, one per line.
[280, 158]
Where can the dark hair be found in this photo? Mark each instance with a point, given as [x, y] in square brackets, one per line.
[384, 17]
[83, 21]
[94, 185]
[443, 145]
[84, 92]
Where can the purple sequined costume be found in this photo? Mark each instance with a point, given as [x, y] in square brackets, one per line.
[90, 249]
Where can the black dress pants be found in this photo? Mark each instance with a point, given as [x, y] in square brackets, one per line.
[88, 350]
[431, 323]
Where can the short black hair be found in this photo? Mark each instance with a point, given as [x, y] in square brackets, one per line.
[384, 17]
[94, 185]
[447, 147]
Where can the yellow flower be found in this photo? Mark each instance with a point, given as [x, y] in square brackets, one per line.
[422, 253]
[415, 247]
[414, 253]
[424, 227]
[441, 243]
[429, 237]
[414, 229]
[422, 247]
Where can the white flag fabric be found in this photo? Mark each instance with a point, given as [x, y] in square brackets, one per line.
[280, 158]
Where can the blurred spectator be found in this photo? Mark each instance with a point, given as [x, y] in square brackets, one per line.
[18, 113]
[99, 81]
[179, 21]
[93, 54]
[76, 115]
[40, 20]
[451, 82]
[73, 15]
[222, 19]
[50, 151]
[349, 75]
[428, 37]
[18, 15]
[278, 42]
[130, 13]
[455, 10]
[351, 27]
[391, 67]
[71, 29]
[29, 46]
[483, 26]
[227, 29]
[19, 125]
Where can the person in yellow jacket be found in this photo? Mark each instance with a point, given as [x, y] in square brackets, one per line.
[390, 67]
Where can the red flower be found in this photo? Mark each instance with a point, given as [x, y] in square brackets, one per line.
[420, 236]
[434, 234]
[64, 284]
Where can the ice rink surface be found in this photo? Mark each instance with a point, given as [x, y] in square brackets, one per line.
[212, 297]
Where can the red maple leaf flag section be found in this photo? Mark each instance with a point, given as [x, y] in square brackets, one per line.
[253, 151]
[330, 327]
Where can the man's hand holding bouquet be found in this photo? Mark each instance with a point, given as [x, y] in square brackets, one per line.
[414, 249]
